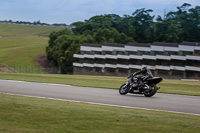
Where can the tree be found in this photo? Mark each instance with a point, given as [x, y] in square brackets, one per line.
[177, 26]
[53, 48]
[143, 23]
[193, 25]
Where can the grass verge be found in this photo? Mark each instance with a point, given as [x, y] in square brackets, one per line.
[167, 86]
[50, 116]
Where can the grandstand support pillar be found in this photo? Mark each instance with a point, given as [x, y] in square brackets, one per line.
[155, 73]
[170, 73]
[196, 75]
[184, 75]
[117, 70]
[129, 72]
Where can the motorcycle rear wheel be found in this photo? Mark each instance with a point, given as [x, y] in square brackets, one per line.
[123, 89]
[152, 92]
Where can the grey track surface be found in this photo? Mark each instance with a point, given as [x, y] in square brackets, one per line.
[165, 102]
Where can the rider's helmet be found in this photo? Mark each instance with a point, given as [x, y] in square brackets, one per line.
[144, 69]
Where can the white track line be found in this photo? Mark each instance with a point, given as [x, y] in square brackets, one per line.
[103, 104]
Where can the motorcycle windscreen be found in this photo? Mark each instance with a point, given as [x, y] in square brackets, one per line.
[154, 80]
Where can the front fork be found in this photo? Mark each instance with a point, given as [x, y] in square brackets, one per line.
[128, 85]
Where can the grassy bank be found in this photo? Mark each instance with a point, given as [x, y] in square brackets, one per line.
[167, 86]
[7, 30]
[21, 51]
[49, 116]
[20, 45]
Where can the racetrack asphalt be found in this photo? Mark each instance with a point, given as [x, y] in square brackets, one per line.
[159, 102]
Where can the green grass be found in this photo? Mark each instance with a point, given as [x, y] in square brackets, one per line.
[167, 86]
[26, 30]
[21, 115]
[181, 87]
[21, 51]
[22, 44]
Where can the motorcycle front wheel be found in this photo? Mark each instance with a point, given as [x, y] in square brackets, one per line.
[124, 89]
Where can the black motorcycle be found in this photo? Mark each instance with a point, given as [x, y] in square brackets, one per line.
[148, 88]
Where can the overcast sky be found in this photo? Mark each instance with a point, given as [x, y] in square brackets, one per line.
[68, 11]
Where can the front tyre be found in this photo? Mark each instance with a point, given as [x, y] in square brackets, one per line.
[124, 89]
[152, 91]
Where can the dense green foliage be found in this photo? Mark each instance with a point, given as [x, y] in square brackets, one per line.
[182, 25]
[141, 26]
[178, 26]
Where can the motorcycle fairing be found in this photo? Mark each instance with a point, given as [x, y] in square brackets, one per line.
[154, 80]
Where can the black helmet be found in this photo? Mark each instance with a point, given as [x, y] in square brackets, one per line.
[144, 69]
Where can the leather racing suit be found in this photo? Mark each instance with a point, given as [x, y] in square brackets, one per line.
[146, 75]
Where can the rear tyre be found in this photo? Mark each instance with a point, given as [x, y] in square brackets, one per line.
[124, 89]
[152, 91]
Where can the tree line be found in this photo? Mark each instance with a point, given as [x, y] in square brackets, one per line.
[33, 23]
[142, 27]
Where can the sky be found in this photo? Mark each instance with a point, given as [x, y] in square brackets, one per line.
[69, 11]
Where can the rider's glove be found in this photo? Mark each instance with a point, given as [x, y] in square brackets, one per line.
[134, 73]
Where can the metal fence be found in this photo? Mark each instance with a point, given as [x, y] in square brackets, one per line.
[28, 69]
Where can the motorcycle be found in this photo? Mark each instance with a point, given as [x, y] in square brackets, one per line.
[148, 89]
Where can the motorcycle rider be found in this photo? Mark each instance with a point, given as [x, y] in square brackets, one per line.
[146, 74]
